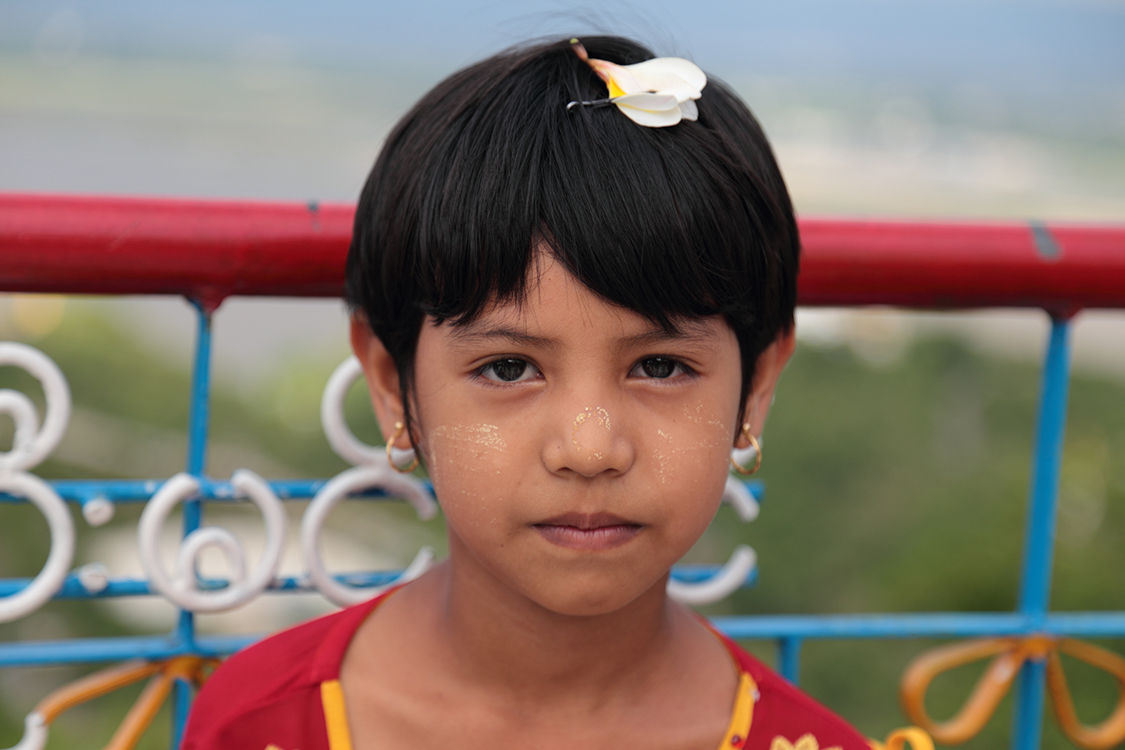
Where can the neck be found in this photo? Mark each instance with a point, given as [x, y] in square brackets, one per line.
[499, 637]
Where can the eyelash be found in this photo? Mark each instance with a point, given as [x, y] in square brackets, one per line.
[481, 372]
[685, 370]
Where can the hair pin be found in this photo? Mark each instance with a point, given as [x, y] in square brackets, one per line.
[595, 103]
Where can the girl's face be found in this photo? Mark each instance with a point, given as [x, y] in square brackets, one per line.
[577, 449]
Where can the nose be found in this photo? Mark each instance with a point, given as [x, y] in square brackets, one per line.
[589, 441]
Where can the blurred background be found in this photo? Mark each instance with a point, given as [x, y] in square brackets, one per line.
[897, 456]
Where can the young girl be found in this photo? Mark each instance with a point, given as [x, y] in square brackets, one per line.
[572, 287]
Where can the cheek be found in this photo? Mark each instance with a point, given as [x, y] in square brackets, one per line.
[708, 419]
[693, 448]
[467, 447]
[691, 464]
[466, 463]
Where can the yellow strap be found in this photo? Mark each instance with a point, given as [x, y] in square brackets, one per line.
[742, 714]
[335, 715]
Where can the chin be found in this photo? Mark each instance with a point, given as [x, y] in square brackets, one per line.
[582, 597]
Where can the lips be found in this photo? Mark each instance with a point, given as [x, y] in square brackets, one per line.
[588, 531]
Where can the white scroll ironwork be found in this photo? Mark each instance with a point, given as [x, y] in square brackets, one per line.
[98, 511]
[346, 445]
[343, 484]
[372, 471]
[34, 733]
[183, 588]
[30, 445]
[733, 573]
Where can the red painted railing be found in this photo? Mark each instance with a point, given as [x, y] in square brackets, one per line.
[209, 250]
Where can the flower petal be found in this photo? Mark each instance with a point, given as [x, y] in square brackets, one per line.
[648, 102]
[650, 110]
[654, 93]
[659, 68]
[668, 83]
[617, 77]
[663, 119]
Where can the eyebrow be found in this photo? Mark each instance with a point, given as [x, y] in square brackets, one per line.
[471, 334]
[688, 331]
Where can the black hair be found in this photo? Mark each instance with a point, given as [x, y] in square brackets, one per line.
[686, 221]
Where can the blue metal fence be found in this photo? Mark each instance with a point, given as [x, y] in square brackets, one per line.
[184, 639]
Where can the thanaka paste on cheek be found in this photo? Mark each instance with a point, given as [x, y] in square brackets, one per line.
[694, 413]
[661, 457]
[463, 449]
[672, 446]
[459, 450]
[467, 446]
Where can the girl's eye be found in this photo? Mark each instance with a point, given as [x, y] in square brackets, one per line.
[509, 371]
[660, 368]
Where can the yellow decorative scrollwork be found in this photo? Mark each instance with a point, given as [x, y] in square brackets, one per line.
[193, 669]
[900, 738]
[1009, 655]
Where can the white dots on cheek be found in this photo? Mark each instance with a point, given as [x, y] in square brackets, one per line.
[488, 435]
[474, 448]
[694, 412]
[464, 462]
[681, 453]
[718, 428]
[661, 455]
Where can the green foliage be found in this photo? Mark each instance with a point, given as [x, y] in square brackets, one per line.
[903, 488]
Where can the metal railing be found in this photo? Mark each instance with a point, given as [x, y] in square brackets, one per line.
[207, 251]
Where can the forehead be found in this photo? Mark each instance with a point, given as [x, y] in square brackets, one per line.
[556, 306]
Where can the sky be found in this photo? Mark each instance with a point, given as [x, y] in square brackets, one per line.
[77, 78]
[1032, 43]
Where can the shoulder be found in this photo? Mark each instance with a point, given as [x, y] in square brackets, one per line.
[272, 687]
[784, 715]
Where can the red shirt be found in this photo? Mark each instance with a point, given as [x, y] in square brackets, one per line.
[283, 693]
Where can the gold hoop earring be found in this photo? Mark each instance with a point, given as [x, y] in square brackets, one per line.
[755, 449]
[399, 429]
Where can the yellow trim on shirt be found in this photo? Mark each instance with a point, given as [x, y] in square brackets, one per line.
[743, 713]
[335, 716]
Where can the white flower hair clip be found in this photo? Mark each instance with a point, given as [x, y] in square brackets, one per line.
[655, 93]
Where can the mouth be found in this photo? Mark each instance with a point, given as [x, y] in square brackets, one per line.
[588, 531]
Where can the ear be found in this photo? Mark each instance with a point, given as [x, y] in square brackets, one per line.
[381, 374]
[769, 367]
